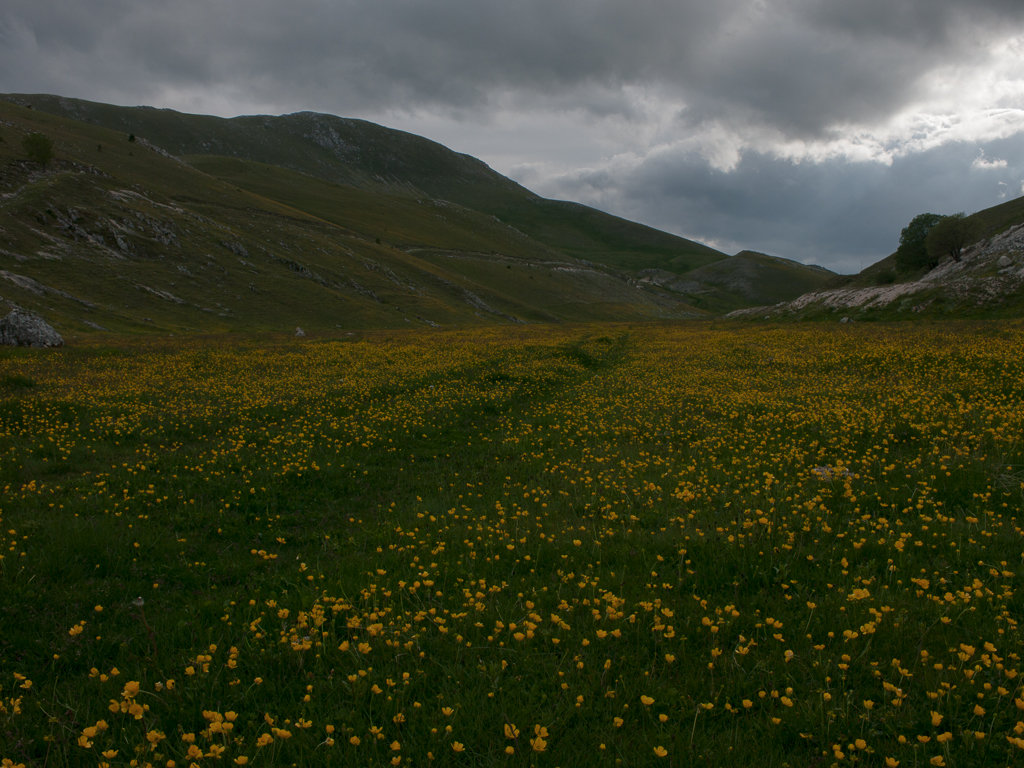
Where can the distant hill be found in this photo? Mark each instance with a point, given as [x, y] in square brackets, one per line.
[744, 279]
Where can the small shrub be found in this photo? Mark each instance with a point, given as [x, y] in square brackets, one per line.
[38, 147]
[912, 254]
[951, 235]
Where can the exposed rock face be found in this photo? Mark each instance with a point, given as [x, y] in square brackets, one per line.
[22, 329]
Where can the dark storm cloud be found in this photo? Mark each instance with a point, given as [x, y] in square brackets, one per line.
[736, 121]
[799, 65]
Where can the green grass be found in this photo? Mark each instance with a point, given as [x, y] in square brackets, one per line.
[17, 381]
[595, 236]
[751, 278]
[745, 510]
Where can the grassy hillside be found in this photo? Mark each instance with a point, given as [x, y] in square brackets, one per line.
[401, 221]
[397, 189]
[590, 234]
[757, 278]
[114, 235]
[999, 218]
[343, 150]
[367, 156]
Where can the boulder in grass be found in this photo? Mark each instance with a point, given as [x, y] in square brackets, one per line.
[23, 329]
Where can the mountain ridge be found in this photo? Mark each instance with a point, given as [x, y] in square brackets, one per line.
[116, 235]
[348, 151]
[407, 204]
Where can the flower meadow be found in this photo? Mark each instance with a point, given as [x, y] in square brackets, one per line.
[598, 545]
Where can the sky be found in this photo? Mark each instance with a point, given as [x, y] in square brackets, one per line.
[809, 129]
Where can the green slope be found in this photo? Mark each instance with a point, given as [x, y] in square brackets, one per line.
[999, 218]
[398, 220]
[590, 234]
[367, 156]
[115, 235]
[420, 196]
[343, 150]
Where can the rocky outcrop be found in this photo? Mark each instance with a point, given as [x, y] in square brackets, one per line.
[673, 282]
[23, 329]
[32, 286]
[988, 274]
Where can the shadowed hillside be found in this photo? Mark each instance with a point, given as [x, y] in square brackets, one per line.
[368, 156]
[114, 235]
[501, 252]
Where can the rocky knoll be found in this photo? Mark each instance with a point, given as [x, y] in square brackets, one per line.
[990, 273]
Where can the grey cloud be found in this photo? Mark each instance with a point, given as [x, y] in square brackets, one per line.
[839, 214]
[937, 22]
[797, 65]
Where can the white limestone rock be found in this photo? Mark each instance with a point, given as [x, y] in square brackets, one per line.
[23, 329]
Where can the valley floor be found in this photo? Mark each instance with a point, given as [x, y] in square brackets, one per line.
[602, 545]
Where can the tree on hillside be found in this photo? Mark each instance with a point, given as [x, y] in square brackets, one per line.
[912, 254]
[38, 147]
[950, 236]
